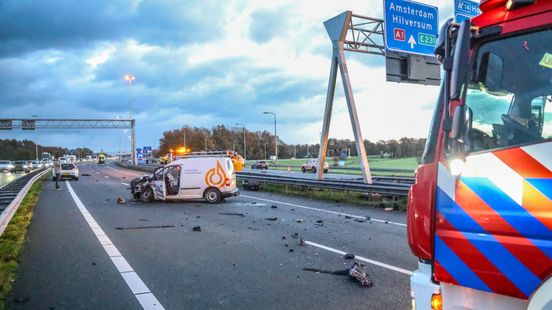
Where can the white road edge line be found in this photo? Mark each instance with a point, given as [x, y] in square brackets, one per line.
[360, 258]
[142, 293]
[327, 211]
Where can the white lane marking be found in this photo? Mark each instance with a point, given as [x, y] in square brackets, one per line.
[125, 183]
[142, 293]
[326, 211]
[105, 176]
[360, 258]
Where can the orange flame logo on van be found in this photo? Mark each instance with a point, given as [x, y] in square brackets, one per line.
[216, 177]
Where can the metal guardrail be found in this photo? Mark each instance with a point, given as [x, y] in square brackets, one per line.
[12, 194]
[378, 187]
[390, 170]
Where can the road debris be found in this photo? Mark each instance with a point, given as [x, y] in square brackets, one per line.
[196, 229]
[283, 237]
[144, 227]
[291, 250]
[271, 219]
[348, 217]
[86, 174]
[360, 220]
[232, 213]
[349, 256]
[273, 206]
[302, 242]
[319, 221]
[295, 236]
[143, 220]
[121, 200]
[389, 209]
[356, 272]
[300, 220]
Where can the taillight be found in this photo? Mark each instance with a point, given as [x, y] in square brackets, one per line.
[228, 182]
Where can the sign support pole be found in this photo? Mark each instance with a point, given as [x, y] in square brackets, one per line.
[337, 30]
[133, 141]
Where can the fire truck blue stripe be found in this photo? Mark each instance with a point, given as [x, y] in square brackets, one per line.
[491, 248]
[542, 185]
[517, 216]
[456, 267]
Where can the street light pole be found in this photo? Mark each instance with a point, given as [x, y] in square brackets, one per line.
[244, 142]
[275, 136]
[129, 78]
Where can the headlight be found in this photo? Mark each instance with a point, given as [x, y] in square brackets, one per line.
[24, 166]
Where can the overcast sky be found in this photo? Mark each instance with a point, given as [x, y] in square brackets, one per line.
[197, 63]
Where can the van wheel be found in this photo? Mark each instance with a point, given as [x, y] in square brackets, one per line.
[303, 169]
[147, 195]
[313, 170]
[212, 195]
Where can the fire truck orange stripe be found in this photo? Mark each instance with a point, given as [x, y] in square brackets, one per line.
[524, 164]
[477, 262]
[521, 247]
[537, 204]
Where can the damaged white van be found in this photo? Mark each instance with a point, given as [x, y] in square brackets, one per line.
[209, 177]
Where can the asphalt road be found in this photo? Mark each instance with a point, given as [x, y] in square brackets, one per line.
[7, 177]
[85, 251]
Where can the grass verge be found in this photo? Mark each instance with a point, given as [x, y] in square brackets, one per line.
[13, 239]
[377, 201]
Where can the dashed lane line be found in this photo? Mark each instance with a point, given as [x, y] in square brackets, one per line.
[360, 258]
[140, 290]
[326, 211]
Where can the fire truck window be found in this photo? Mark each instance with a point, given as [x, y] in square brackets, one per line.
[172, 180]
[509, 94]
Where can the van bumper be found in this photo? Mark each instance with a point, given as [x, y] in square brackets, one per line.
[233, 193]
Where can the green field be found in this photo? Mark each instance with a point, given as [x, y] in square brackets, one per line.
[375, 162]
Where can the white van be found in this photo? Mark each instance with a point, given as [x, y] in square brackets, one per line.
[204, 177]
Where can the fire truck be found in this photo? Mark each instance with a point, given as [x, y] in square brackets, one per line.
[480, 212]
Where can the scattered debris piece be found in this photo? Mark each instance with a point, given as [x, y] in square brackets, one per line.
[360, 220]
[300, 220]
[143, 220]
[121, 200]
[107, 199]
[349, 256]
[368, 218]
[386, 222]
[86, 174]
[273, 206]
[271, 218]
[232, 213]
[286, 245]
[319, 221]
[295, 236]
[144, 227]
[292, 209]
[198, 217]
[302, 242]
[348, 217]
[389, 209]
[318, 224]
[356, 272]
[283, 237]
[196, 228]
[291, 250]
[21, 300]
[93, 264]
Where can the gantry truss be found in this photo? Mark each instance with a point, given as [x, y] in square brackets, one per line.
[365, 35]
[37, 123]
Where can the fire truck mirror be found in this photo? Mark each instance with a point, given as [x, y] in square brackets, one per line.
[441, 39]
[490, 73]
[457, 123]
[460, 60]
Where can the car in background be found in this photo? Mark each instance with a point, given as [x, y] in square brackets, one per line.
[6, 166]
[260, 164]
[37, 164]
[21, 165]
[312, 165]
[68, 171]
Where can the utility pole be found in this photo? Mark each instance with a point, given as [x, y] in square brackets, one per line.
[275, 135]
[244, 142]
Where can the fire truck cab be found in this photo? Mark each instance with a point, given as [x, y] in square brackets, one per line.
[480, 212]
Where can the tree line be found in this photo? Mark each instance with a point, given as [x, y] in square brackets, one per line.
[260, 144]
[11, 149]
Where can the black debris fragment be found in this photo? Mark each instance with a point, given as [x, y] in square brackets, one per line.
[86, 174]
[283, 237]
[360, 220]
[198, 217]
[273, 206]
[93, 264]
[356, 272]
[143, 220]
[121, 200]
[21, 300]
[348, 217]
[271, 218]
[291, 250]
[319, 221]
[196, 228]
[232, 213]
[286, 245]
[302, 242]
[144, 227]
[349, 256]
[295, 236]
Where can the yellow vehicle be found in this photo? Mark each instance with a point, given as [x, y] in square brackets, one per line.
[101, 159]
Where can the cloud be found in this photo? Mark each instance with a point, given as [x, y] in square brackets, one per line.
[196, 63]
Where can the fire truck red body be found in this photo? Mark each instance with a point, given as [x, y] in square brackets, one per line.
[480, 211]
